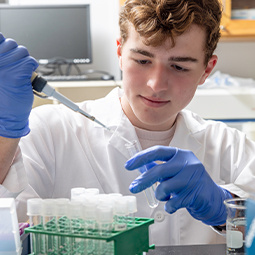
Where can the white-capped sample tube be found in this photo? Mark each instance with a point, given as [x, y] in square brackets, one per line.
[105, 222]
[77, 226]
[76, 217]
[90, 224]
[133, 148]
[50, 224]
[63, 225]
[77, 194]
[120, 214]
[34, 211]
[89, 209]
[62, 210]
[92, 191]
[104, 219]
[131, 209]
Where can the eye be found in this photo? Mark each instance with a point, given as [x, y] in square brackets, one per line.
[142, 62]
[179, 68]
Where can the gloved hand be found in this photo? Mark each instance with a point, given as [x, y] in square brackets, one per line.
[183, 182]
[16, 94]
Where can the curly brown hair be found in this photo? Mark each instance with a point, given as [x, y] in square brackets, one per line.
[157, 20]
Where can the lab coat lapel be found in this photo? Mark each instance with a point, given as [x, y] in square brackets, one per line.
[113, 116]
[186, 132]
[126, 130]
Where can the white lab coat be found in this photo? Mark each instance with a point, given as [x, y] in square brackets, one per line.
[66, 150]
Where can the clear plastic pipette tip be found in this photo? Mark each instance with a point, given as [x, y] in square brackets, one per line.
[104, 126]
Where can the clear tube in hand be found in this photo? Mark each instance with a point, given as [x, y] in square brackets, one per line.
[133, 148]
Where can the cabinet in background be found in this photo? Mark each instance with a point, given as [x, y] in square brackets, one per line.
[242, 27]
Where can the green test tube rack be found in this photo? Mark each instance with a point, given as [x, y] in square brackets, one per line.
[132, 241]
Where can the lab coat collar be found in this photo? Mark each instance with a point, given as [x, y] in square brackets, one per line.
[116, 120]
[187, 132]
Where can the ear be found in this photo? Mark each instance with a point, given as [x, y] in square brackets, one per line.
[211, 64]
[118, 40]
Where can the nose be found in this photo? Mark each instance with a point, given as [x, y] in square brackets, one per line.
[158, 79]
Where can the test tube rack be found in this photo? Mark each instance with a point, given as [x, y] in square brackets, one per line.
[132, 241]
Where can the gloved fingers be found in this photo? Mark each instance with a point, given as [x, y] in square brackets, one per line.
[2, 38]
[145, 168]
[178, 179]
[161, 173]
[25, 67]
[170, 186]
[158, 173]
[163, 153]
[13, 56]
[136, 186]
[6, 45]
[174, 204]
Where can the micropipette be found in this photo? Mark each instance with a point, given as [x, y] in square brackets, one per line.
[40, 85]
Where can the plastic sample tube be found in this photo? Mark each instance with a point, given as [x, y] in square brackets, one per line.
[131, 209]
[34, 211]
[133, 148]
[77, 193]
[89, 216]
[92, 191]
[77, 226]
[105, 226]
[104, 219]
[63, 225]
[49, 224]
[120, 214]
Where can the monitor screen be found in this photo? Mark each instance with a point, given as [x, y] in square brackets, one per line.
[50, 32]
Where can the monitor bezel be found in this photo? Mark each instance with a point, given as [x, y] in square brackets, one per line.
[43, 61]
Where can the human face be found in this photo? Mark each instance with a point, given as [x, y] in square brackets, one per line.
[160, 81]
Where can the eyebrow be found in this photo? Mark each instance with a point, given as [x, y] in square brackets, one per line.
[183, 59]
[176, 59]
[142, 52]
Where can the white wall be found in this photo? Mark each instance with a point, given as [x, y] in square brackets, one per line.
[104, 31]
[236, 58]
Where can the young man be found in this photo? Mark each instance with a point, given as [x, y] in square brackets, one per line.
[165, 52]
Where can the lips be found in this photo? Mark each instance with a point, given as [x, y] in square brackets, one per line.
[154, 102]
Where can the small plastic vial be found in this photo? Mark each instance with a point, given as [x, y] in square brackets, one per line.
[104, 219]
[77, 226]
[77, 194]
[92, 191]
[63, 225]
[76, 217]
[134, 148]
[131, 209]
[105, 227]
[50, 224]
[90, 224]
[34, 211]
[120, 214]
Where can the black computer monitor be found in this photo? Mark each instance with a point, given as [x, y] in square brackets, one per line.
[50, 32]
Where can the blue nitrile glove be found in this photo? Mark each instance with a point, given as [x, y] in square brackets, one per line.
[183, 182]
[16, 94]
